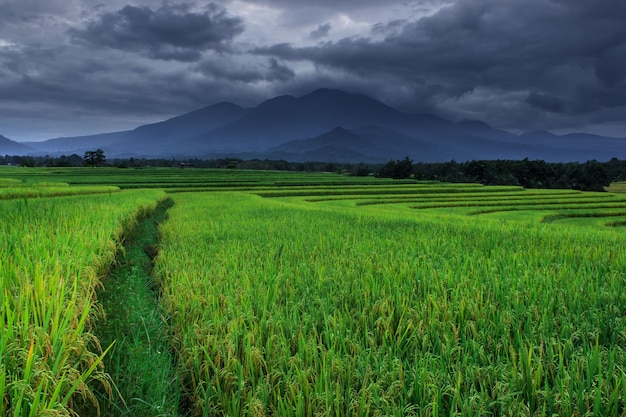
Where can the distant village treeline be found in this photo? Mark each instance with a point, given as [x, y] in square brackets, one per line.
[589, 176]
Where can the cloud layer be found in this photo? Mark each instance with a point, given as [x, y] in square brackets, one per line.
[517, 64]
[168, 33]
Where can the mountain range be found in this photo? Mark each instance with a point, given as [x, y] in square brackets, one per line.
[326, 125]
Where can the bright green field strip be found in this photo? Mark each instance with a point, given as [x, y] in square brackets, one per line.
[268, 186]
[329, 180]
[385, 190]
[465, 197]
[287, 308]
[574, 213]
[439, 193]
[596, 207]
[598, 218]
[259, 189]
[287, 191]
[7, 193]
[190, 182]
[9, 182]
[602, 221]
[495, 202]
[147, 176]
[301, 189]
[194, 186]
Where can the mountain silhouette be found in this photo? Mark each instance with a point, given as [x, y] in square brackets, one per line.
[334, 126]
[11, 147]
[286, 118]
[165, 137]
[76, 144]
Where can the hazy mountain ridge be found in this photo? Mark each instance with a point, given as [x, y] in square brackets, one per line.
[8, 147]
[333, 126]
[76, 144]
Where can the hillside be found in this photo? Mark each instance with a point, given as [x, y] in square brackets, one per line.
[335, 126]
[11, 147]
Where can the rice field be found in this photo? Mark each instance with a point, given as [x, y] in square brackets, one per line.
[11, 188]
[53, 253]
[297, 294]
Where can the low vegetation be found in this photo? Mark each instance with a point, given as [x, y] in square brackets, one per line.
[285, 293]
[53, 254]
[288, 307]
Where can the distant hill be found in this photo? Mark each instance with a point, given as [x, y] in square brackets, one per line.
[363, 144]
[286, 118]
[334, 126]
[166, 138]
[77, 144]
[11, 147]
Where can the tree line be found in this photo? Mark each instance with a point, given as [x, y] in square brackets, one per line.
[590, 176]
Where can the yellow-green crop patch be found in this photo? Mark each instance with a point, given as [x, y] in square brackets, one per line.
[8, 182]
[344, 192]
[284, 307]
[444, 197]
[50, 190]
[52, 255]
[522, 204]
[188, 178]
[617, 187]
[321, 294]
[11, 188]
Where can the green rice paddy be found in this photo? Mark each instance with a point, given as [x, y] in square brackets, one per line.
[316, 294]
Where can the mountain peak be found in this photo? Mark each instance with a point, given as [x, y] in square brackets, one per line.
[332, 122]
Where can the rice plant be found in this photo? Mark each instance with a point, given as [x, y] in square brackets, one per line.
[283, 307]
[53, 253]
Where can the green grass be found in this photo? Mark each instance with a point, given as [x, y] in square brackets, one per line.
[180, 178]
[54, 252]
[617, 187]
[48, 190]
[308, 294]
[293, 308]
[140, 363]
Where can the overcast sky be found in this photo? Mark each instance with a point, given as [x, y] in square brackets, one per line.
[72, 67]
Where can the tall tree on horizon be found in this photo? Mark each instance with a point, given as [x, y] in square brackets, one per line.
[94, 158]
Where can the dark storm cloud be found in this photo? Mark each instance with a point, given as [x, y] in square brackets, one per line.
[547, 102]
[167, 33]
[321, 32]
[229, 69]
[389, 28]
[20, 11]
[78, 84]
[345, 5]
[279, 72]
[566, 56]
[513, 63]
[611, 66]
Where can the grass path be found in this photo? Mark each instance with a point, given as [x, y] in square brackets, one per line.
[140, 363]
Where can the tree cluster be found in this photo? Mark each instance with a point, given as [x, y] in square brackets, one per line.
[589, 176]
[94, 158]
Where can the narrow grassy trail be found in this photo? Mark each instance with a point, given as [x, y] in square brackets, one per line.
[140, 363]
